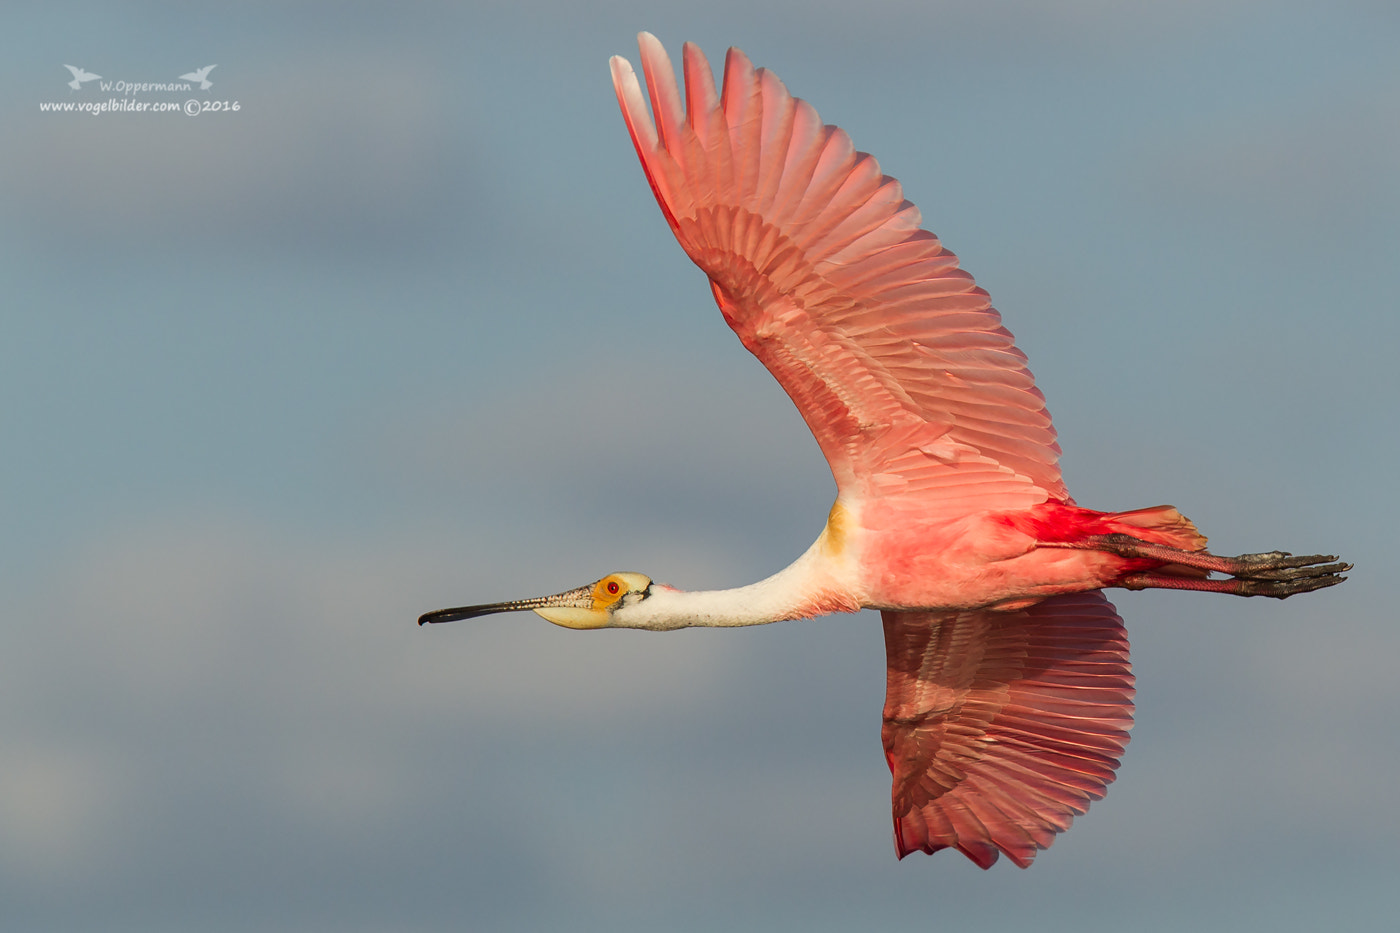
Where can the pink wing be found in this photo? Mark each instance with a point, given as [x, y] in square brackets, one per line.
[1000, 727]
[895, 358]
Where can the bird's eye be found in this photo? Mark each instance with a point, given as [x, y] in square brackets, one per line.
[613, 587]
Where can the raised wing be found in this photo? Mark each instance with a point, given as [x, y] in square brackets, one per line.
[894, 356]
[1001, 727]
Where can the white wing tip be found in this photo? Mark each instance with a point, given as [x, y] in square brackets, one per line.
[633, 103]
[621, 70]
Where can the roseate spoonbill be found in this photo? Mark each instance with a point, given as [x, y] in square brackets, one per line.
[1009, 691]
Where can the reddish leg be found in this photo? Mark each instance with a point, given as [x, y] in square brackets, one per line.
[1273, 573]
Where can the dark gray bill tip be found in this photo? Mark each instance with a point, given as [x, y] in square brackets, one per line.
[440, 615]
[466, 612]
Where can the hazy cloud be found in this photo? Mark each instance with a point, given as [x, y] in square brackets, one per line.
[1316, 167]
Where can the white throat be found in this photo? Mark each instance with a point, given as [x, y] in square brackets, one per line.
[808, 586]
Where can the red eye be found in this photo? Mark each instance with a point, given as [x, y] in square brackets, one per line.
[612, 587]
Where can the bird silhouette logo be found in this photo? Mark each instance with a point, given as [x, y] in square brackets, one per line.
[202, 76]
[79, 76]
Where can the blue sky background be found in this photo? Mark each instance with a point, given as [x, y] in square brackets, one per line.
[409, 331]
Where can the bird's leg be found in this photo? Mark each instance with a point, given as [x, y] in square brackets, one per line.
[1272, 573]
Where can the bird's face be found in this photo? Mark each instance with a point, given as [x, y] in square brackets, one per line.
[593, 606]
[590, 606]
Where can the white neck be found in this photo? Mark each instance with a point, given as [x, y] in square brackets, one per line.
[805, 588]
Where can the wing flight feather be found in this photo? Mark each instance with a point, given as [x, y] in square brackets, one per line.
[1001, 727]
[894, 356]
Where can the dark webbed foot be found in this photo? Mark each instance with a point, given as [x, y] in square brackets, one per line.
[1281, 565]
[1282, 589]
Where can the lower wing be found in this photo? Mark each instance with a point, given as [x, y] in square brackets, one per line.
[1001, 727]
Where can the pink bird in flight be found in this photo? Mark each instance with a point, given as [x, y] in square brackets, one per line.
[1009, 690]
